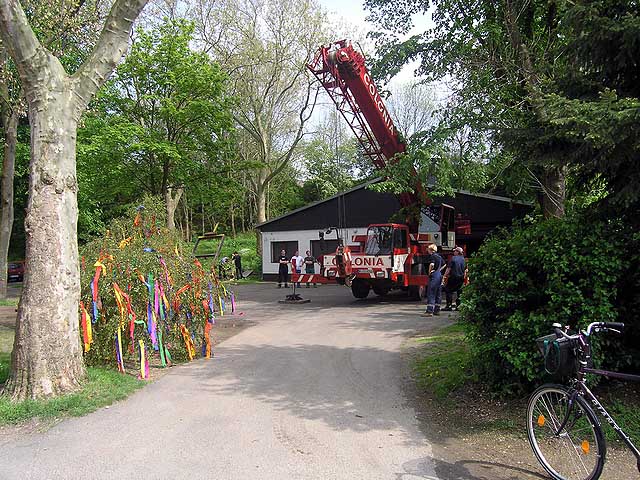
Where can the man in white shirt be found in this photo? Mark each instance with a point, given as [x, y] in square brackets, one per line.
[297, 261]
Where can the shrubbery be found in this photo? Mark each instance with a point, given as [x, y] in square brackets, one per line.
[573, 271]
[150, 288]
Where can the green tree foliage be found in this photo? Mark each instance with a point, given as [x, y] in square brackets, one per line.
[597, 110]
[328, 161]
[553, 85]
[163, 121]
[573, 271]
[502, 57]
[285, 193]
[265, 45]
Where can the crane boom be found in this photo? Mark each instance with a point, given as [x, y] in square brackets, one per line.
[342, 72]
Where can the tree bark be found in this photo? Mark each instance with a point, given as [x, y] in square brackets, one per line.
[47, 356]
[233, 221]
[261, 203]
[553, 192]
[10, 126]
[171, 200]
[187, 218]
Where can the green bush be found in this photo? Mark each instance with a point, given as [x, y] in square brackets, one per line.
[572, 271]
[136, 249]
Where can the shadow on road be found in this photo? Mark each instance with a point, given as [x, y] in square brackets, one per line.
[464, 470]
[341, 393]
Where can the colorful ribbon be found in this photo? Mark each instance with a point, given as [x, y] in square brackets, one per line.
[118, 345]
[87, 334]
[188, 342]
[144, 361]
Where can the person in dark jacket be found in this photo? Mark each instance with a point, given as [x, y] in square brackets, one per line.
[237, 260]
[283, 270]
[454, 277]
[434, 289]
[310, 267]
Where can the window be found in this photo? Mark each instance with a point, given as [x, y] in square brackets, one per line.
[289, 248]
[400, 238]
[379, 240]
[323, 247]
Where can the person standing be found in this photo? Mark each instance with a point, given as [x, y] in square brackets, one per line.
[454, 278]
[283, 269]
[237, 260]
[434, 289]
[310, 268]
[297, 261]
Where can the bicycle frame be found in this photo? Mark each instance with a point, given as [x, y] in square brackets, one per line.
[603, 412]
[582, 389]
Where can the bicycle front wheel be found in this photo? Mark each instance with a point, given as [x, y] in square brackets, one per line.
[577, 452]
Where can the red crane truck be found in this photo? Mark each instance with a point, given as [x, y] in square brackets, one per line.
[391, 255]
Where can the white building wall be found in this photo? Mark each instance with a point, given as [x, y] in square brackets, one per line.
[303, 237]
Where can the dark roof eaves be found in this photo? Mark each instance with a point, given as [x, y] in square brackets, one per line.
[378, 179]
[318, 202]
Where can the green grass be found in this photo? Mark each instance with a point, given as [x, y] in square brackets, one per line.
[624, 407]
[8, 302]
[443, 365]
[103, 387]
[5, 362]
[443, 368]
[244, 243]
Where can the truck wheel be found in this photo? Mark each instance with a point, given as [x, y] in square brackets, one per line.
[418, 293]
[381, 290]
[360, 288]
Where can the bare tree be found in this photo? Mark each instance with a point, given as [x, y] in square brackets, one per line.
[265, 46]
[47, 358]
[412, 106]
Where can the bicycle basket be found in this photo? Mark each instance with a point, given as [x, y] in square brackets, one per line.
[559, 355]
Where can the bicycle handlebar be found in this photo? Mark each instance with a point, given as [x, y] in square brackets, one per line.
[615, 326]
[593, 327]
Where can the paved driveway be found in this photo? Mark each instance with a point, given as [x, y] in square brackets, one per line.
[311, 392]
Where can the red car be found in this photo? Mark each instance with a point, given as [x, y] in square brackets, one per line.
[15, 271]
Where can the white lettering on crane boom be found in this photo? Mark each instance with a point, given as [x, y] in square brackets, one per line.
[373, 91]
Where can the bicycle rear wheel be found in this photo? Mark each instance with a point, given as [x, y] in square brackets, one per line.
[578, 451]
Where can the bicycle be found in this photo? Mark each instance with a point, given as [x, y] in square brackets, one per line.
[563, 429]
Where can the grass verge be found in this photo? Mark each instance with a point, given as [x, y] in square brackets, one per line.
[442, 369]
[443, 363]
[8, 302]
[623, 403]
[103, 387]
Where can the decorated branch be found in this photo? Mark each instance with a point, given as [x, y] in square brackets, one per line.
[146, 300]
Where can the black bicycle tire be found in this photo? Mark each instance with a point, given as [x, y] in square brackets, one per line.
[593, 420]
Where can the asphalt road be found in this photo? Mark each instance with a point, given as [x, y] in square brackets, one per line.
[311, 392]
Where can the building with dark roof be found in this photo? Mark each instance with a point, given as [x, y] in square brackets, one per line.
[351, 212]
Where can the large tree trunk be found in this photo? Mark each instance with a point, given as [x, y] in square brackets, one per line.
[172, 198]
[552, 198]
[261, 203]
[10, 126]
[233, 222]
[47, 356]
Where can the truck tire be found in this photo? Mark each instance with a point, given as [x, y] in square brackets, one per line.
[418, 292]
[381, 289]
[360, 288]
